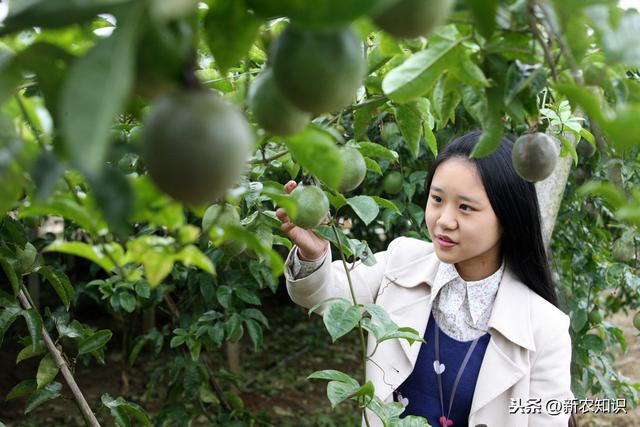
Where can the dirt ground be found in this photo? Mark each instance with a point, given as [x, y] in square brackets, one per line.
[275, 378]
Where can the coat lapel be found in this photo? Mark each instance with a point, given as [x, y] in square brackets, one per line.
[506, 358]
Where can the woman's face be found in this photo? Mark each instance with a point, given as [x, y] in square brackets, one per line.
[458, 207]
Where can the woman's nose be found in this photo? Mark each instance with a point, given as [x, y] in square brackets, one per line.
[446, 219]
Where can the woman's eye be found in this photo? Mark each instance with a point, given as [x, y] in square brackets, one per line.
[436, 198]
[467, 206]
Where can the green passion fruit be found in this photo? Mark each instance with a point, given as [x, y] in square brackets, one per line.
[271, 110]
[534, 156]
[195, 145]
[318, 71]
[413, 18]
[392, 183]
[355, 169]
[313, 206]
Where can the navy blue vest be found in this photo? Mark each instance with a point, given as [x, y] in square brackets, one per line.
[421, 387]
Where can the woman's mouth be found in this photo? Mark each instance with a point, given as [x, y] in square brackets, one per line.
[444, 244]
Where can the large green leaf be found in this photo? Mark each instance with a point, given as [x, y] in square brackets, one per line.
[94, 342]
[34, 326]
[67, 208]
[231, 29]
[409, 121]
[54, 13]
[492, 129]
[484, 13]
[60, 283]
[122, 409]
[93, 253]
[417, 75]
[49, 62]
[7, 316]
[47, 371]
[96, 88]
[315, 149]
[11, 274]
[365, 207]
[23, 388]
[340, 318]
[51, 391]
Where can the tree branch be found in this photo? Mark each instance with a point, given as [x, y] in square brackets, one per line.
[84, 407]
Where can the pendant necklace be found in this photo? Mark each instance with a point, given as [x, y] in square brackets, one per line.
[445, 421]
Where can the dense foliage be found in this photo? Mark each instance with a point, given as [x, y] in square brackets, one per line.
[161, 133]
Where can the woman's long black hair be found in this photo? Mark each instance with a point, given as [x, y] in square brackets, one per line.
[515, 203]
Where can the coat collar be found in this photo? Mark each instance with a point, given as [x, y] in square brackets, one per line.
[510, 315]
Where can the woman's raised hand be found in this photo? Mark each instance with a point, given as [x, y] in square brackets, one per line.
[310, 245]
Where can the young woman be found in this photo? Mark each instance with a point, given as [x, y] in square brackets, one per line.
[497, 350]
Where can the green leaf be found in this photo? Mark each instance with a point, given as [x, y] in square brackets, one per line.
[417, 75]
[114, 196]
[340, 318]
[386, 204]
[230, 31]
[7, 316]
[371, 149]
[67, 208]
[191, 255]
[30, 351]
[34, 325]
[49, 62]
[365, 207]
[567, 147]
[609, 192]
[272, 258]
[94, 342]
[338, 392]
[331, 374]
[96, 89]
[11, 173]
[247, 296]
[315, 149]
[468, 72]
[127, 301]
[372, 166]
[9, 74]
[492, 129]
[23, 388]
[362, 116]
[521, 77]
[446, 97]
[474, 100]
[11, 274]
[53, 13]
[409, 121]
[47, 371]
[578, 320]
[223, 294]
[484, 13]
[255, 333]
[51, 391]
[60, 283]
[84, 250]
[121, 410]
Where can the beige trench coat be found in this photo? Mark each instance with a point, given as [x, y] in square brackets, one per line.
[528, 355]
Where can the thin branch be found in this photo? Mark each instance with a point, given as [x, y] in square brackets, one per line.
[267, 160]
[538, 35]
[84, 407]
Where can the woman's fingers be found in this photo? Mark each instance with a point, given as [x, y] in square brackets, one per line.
[289, 186]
